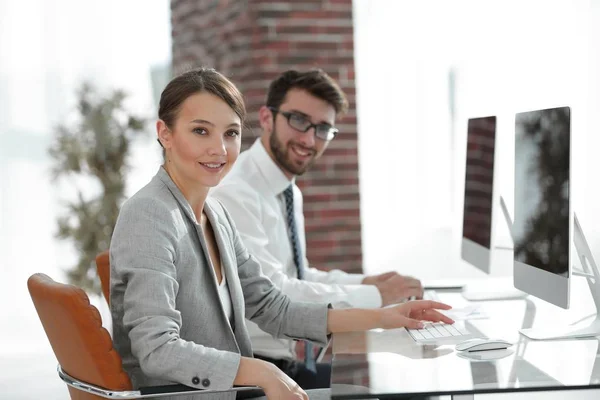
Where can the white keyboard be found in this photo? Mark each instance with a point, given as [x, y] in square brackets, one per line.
[427, 295]
[438, 331]
[431, 295]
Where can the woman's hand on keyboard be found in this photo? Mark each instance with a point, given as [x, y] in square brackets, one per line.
[412, 314]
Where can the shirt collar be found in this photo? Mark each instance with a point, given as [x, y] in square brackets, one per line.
[276, 179]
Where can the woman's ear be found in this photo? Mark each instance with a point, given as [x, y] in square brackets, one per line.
[265, 118]
[164, 134]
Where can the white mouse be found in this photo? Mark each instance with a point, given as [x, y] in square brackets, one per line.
[481, 344]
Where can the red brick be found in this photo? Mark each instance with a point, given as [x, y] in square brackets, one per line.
[252, 42]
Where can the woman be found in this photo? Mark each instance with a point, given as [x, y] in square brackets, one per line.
[182, 282]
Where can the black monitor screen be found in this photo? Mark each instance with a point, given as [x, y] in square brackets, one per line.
[542, 164]
[479, 180]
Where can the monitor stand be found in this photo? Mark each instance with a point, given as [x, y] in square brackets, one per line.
[590, 272]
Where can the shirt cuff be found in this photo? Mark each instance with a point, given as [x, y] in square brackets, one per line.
[365, 296]
[350, 279]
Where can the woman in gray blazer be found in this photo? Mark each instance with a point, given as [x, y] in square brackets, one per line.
[182, 282]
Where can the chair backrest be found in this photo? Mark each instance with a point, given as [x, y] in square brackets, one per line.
[83, 348]
[103, 268]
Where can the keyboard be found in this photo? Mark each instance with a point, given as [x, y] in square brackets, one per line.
[427, 295]
[434, 332]
[431, 295]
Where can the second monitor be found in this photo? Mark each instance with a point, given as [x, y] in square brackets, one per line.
[476, 244]
[478, 193]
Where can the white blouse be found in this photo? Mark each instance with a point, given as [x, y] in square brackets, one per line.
[226, 298]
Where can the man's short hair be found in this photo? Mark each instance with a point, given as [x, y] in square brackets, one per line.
[316, 82]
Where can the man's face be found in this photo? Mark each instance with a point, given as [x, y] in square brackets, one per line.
[293, 150]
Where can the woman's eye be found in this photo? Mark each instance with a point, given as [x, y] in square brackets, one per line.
[233, 133]
[200, 131]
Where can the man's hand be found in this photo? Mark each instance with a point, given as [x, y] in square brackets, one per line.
[395, 288]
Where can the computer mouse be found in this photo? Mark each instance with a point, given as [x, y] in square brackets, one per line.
[481, 344]
[485, 356]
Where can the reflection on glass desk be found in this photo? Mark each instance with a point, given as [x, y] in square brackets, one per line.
[389, 363]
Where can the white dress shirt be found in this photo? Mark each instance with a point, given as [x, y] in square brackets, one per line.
[253, 194]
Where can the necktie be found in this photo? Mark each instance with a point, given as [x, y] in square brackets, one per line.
[288, 194]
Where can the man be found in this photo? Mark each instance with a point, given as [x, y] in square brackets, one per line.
[260, 193]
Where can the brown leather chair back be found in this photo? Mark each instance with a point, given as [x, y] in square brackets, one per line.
[83, 348]
[103, 268]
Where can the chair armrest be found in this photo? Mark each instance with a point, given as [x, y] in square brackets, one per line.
[243, 392]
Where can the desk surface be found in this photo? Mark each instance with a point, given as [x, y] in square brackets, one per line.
[382, 363]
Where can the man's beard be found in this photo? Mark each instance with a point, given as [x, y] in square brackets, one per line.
[282, 158]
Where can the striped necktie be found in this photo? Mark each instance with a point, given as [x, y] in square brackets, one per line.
[288, 194]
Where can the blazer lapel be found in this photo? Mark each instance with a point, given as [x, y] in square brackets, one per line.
[228, 263]
[224, 251]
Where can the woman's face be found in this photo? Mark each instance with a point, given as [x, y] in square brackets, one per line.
[204, 141]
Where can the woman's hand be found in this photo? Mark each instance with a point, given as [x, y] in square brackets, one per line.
[410, 314]
[279, 386]
[276, 384]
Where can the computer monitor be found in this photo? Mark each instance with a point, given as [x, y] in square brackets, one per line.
[542, 225]
[478, 192]
[477, 227]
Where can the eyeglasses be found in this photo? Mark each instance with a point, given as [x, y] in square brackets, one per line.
[302, 124]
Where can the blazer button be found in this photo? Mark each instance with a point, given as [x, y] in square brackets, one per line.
[206, 382]
[195, 380]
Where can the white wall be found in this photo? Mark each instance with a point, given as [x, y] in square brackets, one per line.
[47, 47]
[507, 56]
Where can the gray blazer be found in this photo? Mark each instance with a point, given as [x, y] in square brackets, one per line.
[169, 325]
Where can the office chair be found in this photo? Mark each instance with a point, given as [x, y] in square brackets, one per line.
[103, 269]
[88, 363]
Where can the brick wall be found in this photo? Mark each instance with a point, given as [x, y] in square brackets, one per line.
[253, 41]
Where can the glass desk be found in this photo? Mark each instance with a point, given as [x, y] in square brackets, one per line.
[389, 364]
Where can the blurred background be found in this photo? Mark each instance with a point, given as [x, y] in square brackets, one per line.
[47, 50]
[388, 191]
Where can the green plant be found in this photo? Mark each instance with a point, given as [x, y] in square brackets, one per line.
[94, 149]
